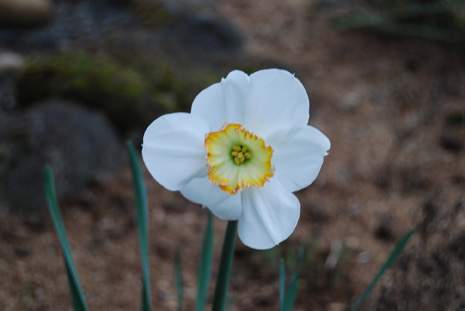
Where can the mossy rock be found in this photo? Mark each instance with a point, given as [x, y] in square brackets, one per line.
[80, 145]
[131, 95]
[152, 13]
[434, 20]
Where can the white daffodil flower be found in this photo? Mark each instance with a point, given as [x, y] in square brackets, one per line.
[243, 150]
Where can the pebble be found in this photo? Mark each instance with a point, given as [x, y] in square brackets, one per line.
[24, 12]
[10, 62]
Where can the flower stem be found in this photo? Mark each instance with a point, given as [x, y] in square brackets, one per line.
[224, 273]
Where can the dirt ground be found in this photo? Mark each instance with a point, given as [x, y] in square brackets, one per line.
[394, 112]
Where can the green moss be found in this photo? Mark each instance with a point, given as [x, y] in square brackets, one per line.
[131, 95]
[93, 80]
[435, 20]
[152, 13]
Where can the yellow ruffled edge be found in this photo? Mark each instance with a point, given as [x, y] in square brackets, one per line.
[224, 183]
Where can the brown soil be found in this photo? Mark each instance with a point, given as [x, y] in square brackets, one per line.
[390, 108]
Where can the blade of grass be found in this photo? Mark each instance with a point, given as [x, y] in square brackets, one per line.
[291, 293]
[293, 289]
[77, 294]
[282, 283]
[396, 251]
[142, 227]
[178, 280]
[224, 273]
[205, 267]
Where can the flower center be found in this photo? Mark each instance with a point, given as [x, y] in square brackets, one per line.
[237, 159]
[240, 154]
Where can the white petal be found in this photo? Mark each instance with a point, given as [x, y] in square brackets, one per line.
[298, 159]
[173, 149]
[276, 101]
[240, 78]
[269, 215]
[200, 190]
[223, 102]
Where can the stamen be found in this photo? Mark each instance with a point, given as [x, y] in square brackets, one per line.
[240, 154]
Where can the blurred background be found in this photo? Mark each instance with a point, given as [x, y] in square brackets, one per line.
[78, 78]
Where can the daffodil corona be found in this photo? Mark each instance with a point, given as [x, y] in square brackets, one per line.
[237, 159]
[243, 150]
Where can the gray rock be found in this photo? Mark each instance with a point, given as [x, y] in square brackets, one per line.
[196, 7]
[201, 27]
[189, 28]
[7, 92]
[10, 62]
[24, 12]
[10, 65]
[80, 145]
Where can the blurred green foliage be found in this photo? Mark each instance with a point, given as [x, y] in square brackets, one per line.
[131, 94]
[142, 217]
[205, 266]
[152, 13]
[396, 251]
[436, 20]
[77, 293]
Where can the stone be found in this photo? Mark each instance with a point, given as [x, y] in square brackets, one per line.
[10, 65]
[201, 28]
[80, 146]
[10, 62]
[24, 12]
[128, 96]
[7, 92]
[192, 29]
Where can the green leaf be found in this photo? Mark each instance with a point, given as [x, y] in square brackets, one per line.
[224, 273]
[293, 288]
[282, 283]
[292, 291]
[178, 280]
[142, 227]
[77, 294]
[205, 267]
[396, 251]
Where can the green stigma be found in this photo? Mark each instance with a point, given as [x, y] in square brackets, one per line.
[240, 154]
